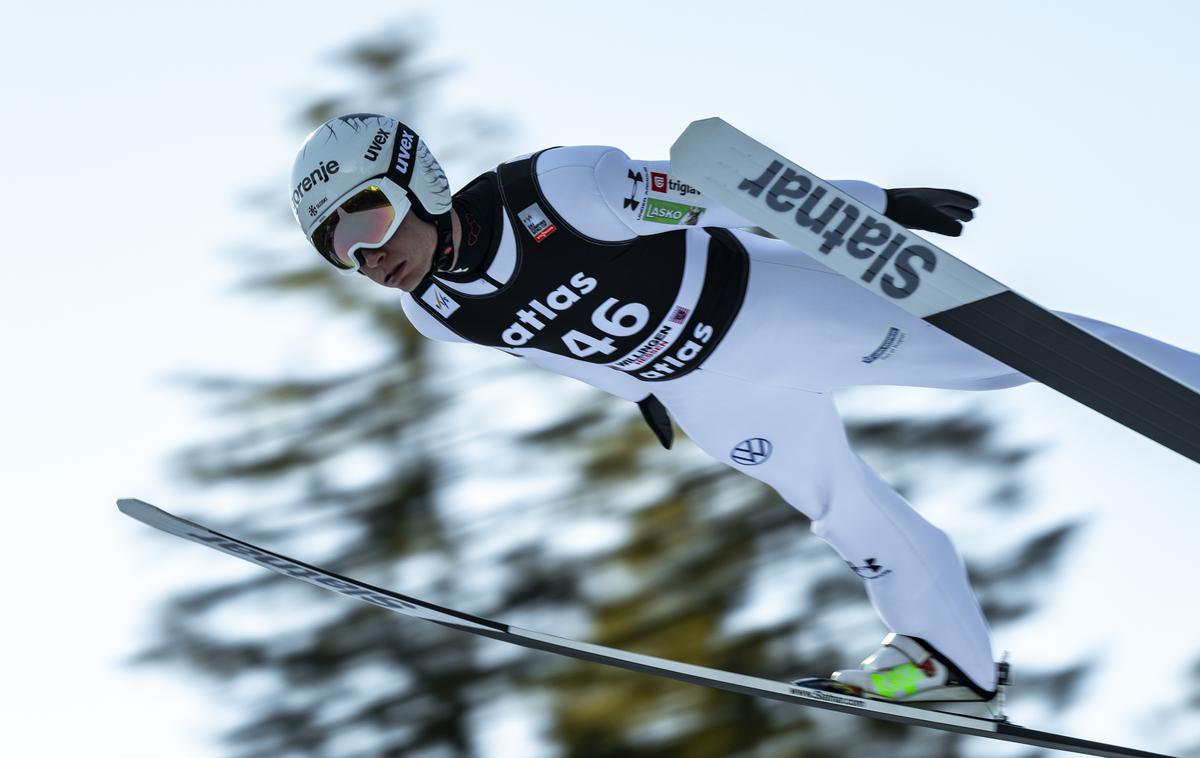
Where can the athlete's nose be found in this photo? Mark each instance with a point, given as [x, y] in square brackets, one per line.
[372, 258]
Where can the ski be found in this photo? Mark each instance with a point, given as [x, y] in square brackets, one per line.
[891, 261]
[814, 696]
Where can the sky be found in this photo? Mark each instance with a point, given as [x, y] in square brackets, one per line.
[137, 130]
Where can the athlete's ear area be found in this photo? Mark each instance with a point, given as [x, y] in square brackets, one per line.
[658, 419]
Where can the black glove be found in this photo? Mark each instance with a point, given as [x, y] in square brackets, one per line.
[933, 210]
[659, 420]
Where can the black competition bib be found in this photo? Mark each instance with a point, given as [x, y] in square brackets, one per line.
[652, 306]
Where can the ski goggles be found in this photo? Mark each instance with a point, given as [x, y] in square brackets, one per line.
[366, 219]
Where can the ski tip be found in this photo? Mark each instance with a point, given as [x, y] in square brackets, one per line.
[697, 131]
[131, 506]
[700, 122]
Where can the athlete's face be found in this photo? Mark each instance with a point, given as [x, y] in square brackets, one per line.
[405, 258]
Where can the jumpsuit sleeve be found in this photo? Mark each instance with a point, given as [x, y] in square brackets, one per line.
[648, 199]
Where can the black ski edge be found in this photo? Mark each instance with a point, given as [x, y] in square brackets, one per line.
[159, 519]
[993, 729]
[1059, 354]
[180, 527]
[1074, 744]
[987, 728]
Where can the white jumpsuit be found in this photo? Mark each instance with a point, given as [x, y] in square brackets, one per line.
[761, 401]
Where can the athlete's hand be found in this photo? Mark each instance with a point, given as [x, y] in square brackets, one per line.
[933, 210]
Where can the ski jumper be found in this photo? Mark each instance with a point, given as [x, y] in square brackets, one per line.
[614, 272]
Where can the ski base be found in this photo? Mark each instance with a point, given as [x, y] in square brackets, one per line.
[708, 677]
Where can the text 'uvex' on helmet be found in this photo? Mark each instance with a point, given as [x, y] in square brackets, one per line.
[345, 153]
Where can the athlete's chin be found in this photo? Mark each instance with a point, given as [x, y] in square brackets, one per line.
[410, 278]
[396, 285]
[398, 279]
[404, 283]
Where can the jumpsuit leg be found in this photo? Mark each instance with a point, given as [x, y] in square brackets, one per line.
[805, 330]
[1181, 365]
[921, 587]
[804, 325]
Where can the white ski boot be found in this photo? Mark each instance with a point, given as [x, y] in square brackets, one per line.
[906, 669]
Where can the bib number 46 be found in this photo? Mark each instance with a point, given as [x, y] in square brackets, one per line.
[621, 322]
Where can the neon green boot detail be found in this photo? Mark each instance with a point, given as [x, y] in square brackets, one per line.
[901, 680]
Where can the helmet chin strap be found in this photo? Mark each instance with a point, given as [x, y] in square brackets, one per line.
[443, 251]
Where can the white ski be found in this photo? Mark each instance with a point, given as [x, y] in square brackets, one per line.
[708, 677]
[877, 253]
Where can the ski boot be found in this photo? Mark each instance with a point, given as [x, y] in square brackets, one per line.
[908, 670]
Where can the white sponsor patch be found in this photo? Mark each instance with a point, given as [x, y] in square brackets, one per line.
[536, 222]
[435, 298]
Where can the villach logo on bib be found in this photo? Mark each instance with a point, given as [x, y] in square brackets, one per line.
[666, 212]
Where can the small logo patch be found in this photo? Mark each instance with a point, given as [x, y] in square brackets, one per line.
[870, 570]
[752, 452]
[536, 222]
[679, 315]
[667, 212]
[658, 182]
[632, 202]
[891, 343]
[435, 298]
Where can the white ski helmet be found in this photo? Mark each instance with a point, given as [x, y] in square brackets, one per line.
[363, 172]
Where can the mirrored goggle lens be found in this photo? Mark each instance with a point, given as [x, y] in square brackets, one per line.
[364, 219]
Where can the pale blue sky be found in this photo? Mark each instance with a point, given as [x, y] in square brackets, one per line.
[135, 130]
